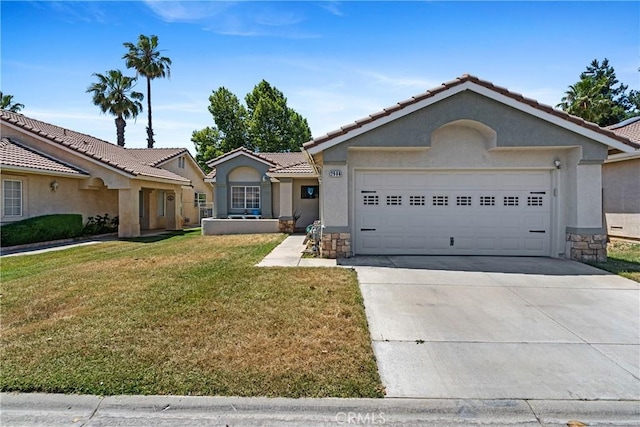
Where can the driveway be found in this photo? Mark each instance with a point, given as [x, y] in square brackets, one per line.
[501, 328]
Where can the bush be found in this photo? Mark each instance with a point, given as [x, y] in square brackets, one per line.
[101, 224]
[41, 229]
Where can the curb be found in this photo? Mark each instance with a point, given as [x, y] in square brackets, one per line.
[58, 409]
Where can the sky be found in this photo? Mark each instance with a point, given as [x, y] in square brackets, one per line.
[335, 62]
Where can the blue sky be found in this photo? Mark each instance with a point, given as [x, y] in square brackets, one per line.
[335, 61]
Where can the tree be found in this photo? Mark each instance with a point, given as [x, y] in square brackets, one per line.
[599, 97]
[6, 103]
[208, 145]
[273, 126]
[230, 118]
[146, 59]
[113, 93]
[267, 124]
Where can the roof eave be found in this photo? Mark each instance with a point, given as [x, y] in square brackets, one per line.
[12, 168]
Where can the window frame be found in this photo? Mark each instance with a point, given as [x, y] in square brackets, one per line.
[5, 205]
[244, 188]
[198, 202]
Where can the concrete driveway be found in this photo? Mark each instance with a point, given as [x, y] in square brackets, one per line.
[501, 328]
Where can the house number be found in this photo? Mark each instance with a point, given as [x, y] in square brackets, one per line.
[335, 173]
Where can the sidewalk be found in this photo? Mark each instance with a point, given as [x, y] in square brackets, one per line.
[82, 410]
[289, 254]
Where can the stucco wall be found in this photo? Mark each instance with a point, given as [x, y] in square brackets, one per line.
[222, 188]
[513, 128]
[308, 208]
[192, 172]
[38, 199]
[621, 197]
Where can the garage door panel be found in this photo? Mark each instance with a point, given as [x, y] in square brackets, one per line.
[488, 213]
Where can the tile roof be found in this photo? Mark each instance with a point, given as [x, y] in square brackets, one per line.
[156, 156]
[14, 154]
[282, 163]
[629, 128]
[296, 168]
[456, 82]
[97, 149]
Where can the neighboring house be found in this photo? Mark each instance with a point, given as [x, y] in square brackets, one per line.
[283, 186]
[47, 169]
[621, 184]
[467, 168]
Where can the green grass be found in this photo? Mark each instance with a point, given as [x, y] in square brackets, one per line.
[184, 315]
[623, 259]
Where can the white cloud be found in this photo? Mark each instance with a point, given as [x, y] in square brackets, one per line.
[333, 7]
[187, 11]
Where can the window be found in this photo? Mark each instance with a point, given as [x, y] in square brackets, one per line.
[440, 201]
[511, 201]
[12, 195]
[487, 201]
[369, 200]
[416, 200]
[181, 162]
[463, 200]
[245, 197]
[309, 192]
[162, 203]
[394, 200]
[200, 200]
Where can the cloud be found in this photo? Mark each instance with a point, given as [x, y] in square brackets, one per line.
[78, 11]
[333, 7]
[187, 11]
[398, 81]
[242, 19]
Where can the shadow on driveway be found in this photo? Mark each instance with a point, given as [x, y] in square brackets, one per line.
[487, 264]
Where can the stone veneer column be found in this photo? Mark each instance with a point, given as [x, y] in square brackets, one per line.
[585, 247]
[335, 245]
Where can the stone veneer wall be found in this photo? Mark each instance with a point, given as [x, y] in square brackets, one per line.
[286, 225]
[335, 245]
[587, 247]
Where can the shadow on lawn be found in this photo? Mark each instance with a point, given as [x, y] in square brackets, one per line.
[165, 235]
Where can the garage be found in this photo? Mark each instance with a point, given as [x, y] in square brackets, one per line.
[466, 168]
[452, 213]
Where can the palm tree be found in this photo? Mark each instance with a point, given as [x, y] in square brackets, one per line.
[114, 94]
[145, 58]
[6, 103]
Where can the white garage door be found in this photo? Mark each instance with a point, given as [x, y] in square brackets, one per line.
[456, 213]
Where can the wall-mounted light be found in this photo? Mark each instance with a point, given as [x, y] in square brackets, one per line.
[265, 178]
[54, 185]
[557, 164]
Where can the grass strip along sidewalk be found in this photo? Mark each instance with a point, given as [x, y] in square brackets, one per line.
[182, 314]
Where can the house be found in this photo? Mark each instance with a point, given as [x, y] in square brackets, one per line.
[47, 169]
[467, 168]
[248, 185]
[621, 184]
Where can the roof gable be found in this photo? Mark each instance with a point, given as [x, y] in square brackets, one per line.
[484, 88]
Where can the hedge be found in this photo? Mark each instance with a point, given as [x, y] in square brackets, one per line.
[41, 229]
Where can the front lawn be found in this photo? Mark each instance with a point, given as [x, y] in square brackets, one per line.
[623, 259]
[184, 315]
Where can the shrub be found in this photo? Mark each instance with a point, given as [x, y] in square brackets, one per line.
[100, 224]
[41, 229]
